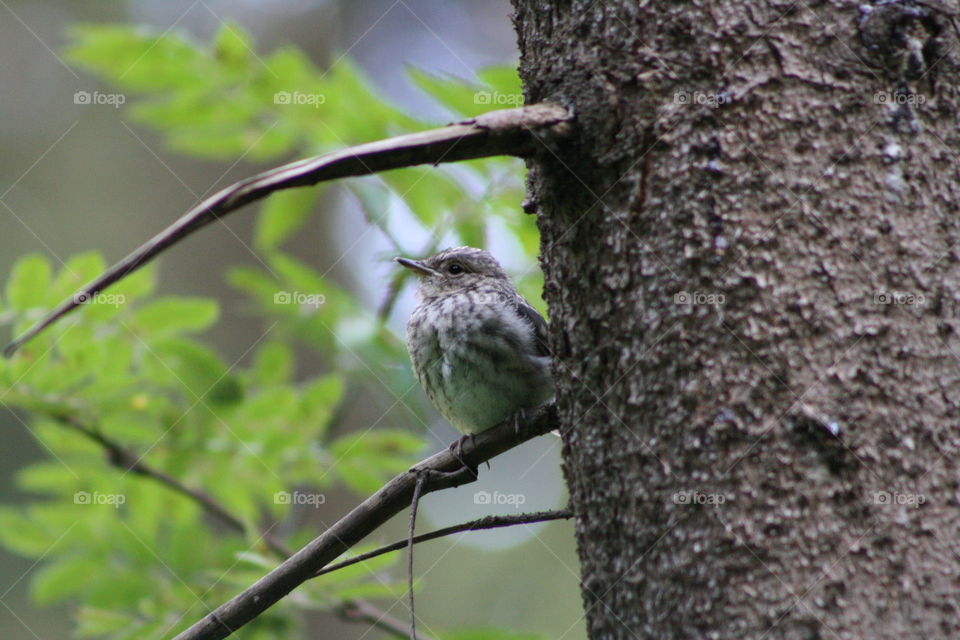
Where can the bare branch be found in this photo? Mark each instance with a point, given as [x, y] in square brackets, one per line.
[507, 132]
[373, 512]
[480, 524]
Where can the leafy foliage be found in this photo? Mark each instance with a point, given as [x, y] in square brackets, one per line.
[141, 559]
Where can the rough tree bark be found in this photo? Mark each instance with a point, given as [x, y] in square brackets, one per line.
[752, 273]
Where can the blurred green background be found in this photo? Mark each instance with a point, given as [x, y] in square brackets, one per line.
[76, 177]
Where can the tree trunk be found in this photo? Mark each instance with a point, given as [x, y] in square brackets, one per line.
[753, 287]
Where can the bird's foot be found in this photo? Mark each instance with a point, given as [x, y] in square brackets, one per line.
[457, 449]
[519, 418]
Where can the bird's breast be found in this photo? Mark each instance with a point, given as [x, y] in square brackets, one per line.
[473, 355]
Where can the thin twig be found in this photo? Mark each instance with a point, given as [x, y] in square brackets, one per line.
[480, 524]
[124, 459]
[369, 515]
[363, 611]
[506, 132]
[414, 503]
[393, 291]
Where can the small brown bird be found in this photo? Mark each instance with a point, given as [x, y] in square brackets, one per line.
[478, 349]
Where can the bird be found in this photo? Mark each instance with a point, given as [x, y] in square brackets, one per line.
[478, 348]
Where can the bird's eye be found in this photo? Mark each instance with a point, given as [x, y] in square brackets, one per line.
[455, 269]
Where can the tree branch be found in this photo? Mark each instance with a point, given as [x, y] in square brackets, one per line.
[506, 132]
[480, 524]
[123, 458]
[363, 611]
[373, 512]
[352, 610]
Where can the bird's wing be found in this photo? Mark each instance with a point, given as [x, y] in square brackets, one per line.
[529, 314]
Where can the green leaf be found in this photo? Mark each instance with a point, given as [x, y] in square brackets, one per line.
[194, 367]
[502, 91]
[430, 193]
[360, 114]
[51, 478]
[258, 560]
[134, 59]
[457, 95]
[273, 364]
[174, 315]
[321, 397]
[374, 198]
[232, 46]
[29, 282]
[291, 69]
[502, 78]
[282, 216]
[366, 460]
[359, 477]
[254, 282]
[301, 276]
[275, 404]
[209, 101]
[473, 231]
[138, 284]
[76, 272]
[93, 621]
[62, 578]
[118, 356]
[82, 350]
[23, 535]
[219, 141]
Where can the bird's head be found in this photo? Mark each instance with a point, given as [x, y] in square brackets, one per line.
[454, 269]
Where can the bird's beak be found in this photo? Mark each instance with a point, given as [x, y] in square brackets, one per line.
[416, 265]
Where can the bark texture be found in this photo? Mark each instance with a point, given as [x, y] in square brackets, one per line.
[750, 249]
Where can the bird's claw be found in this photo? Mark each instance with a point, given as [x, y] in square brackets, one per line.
[519, 418]
[457, 449]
